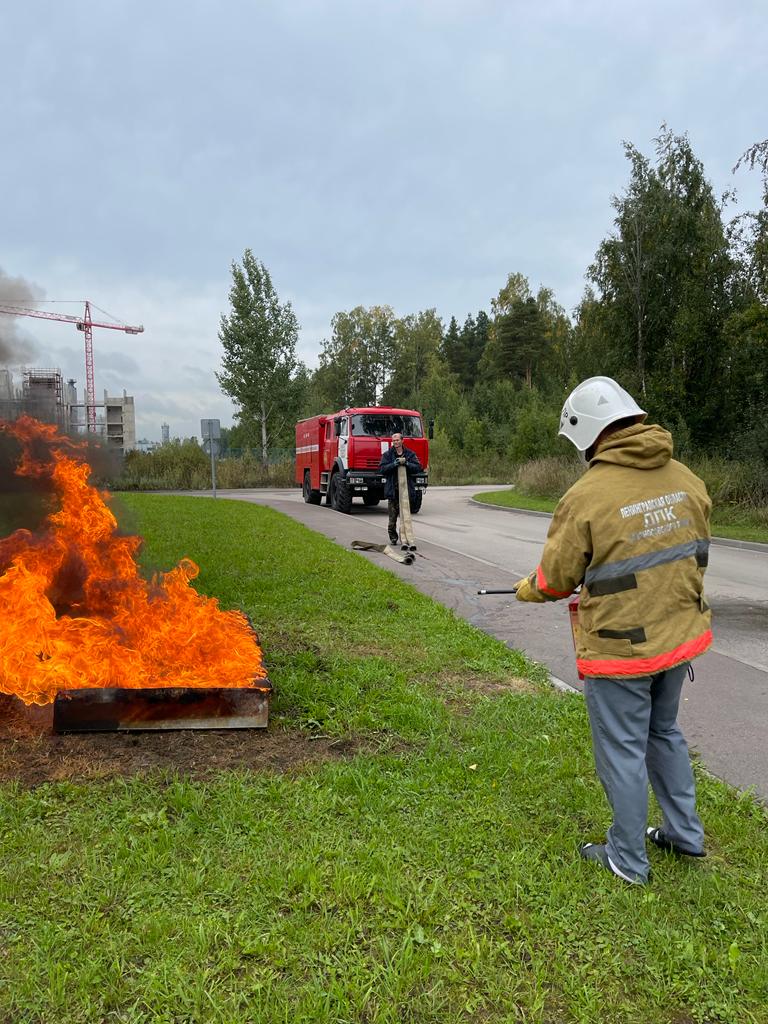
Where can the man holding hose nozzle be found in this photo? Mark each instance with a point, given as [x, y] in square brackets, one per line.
[634, 533]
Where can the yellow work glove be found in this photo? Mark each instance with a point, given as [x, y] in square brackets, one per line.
[525, 590]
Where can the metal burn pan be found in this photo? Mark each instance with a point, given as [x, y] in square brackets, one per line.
[163, 708]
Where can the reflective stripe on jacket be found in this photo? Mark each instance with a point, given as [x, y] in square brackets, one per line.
[634, 533]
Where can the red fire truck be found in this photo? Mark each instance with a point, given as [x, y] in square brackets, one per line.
[338, 455]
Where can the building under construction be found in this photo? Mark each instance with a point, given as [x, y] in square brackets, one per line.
[45, 395]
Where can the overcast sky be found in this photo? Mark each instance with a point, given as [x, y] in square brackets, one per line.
[409, 152]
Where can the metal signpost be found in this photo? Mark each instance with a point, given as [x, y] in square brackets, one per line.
[211, 432]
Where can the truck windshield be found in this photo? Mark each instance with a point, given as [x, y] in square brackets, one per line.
[385, 424]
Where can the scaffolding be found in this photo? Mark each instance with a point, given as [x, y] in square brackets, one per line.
[42, 395]
[45, 395]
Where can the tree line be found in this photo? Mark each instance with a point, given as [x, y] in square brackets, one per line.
[675, 308]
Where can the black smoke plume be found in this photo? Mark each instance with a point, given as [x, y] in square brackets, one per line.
[15, 348]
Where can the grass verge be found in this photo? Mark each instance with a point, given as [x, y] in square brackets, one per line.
[512, 498]
[431, 879]
[735, 524]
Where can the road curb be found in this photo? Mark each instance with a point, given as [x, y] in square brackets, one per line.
[745, 545]
[726, 542]
[560, 684]
[506, 508]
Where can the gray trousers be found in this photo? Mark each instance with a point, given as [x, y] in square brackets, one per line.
[636, 739]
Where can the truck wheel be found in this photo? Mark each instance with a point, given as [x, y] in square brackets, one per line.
[311, 497]
[416, 502]
[371, 499]
[341, 495]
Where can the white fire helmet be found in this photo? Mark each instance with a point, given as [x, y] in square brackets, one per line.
[591, 407]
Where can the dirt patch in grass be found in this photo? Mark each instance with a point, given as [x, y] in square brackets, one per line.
[30, 754]
[498, 687]
[455, 689]
[490, 687]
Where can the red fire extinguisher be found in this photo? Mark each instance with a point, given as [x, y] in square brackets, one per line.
[573, 615]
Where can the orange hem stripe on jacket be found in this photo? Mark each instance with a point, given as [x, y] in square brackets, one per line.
[543, 586]
[646, 666]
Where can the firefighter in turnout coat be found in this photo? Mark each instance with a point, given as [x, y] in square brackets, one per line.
[634, 533]
[397, 455]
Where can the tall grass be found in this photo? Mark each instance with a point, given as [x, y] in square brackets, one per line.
[451, 466]
[733, 486]
[188, 471]
[548, 478]
[734, 483]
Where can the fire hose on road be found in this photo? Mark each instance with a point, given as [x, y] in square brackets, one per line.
[407, 538]
[407, 554]
[404, 557]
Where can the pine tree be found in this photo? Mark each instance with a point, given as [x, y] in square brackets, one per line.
[521, 340]
[450, 350]
[476, 347]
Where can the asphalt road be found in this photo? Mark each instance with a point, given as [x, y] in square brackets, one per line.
[465, 546]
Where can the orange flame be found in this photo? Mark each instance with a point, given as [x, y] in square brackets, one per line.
[74, 611]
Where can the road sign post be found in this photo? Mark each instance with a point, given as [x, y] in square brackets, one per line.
[211, 432]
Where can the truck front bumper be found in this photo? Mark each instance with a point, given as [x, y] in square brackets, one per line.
[364, 481]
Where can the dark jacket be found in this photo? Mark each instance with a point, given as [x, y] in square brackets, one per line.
[388, 469]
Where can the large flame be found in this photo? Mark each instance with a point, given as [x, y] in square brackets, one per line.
[74, 611]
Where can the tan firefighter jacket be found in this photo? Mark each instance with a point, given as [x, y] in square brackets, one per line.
[634, 533]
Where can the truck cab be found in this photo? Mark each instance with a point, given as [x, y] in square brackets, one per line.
[338, 455]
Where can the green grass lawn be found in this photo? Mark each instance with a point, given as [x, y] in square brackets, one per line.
[431, 878]
[735, 524]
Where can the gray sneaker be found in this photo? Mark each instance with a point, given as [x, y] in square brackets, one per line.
[598, 853]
